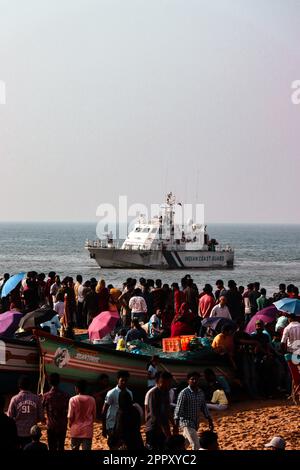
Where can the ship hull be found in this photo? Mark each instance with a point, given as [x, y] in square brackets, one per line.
[165, 259]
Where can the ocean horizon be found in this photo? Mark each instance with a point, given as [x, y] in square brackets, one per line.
[269, 253]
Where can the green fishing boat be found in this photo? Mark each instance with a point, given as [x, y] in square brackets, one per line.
[75, 360]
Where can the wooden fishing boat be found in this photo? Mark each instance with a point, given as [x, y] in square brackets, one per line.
[17, 357]
[75, 360]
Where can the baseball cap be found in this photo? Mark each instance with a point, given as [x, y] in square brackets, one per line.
[276, 442]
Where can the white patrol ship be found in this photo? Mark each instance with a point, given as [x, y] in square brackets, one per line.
[160, 243]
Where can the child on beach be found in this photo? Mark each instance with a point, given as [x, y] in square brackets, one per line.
[35, 444]
[219, 400]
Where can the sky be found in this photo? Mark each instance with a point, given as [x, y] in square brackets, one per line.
[137, 98]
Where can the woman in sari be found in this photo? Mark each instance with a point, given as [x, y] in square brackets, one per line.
[103, 296]
[184, 322]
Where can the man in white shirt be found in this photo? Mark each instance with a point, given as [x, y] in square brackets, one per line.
[138, 306]
[221, 309]
[290, 340]
[111, 403]
[59, 305]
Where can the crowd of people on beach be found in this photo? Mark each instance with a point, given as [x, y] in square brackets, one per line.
[168, 427]
[150, 311]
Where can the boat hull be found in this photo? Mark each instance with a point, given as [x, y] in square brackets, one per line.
[165, 259]
[74, 361]
[17, 358]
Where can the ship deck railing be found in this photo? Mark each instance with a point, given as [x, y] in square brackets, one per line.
[117, 245]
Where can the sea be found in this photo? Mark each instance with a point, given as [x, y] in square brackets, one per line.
[269, 254]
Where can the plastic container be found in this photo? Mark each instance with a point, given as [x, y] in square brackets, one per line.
[171, 344]
[185, 342]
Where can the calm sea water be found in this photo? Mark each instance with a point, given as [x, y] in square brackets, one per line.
[267, 253]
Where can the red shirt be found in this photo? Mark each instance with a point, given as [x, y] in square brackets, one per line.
[55, 403]
[82, 414]
[206, 304]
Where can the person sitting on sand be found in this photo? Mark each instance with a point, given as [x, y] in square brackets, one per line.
[36, 434]
[219, 401]
[277, 443]
[213, 381]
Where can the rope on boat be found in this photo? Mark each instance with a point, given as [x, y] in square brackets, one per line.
[42, 375]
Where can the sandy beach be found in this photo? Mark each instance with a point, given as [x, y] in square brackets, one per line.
[244, 426]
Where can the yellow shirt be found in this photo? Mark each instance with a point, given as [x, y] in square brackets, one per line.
[121, 346]
[223, 343]
[219, 397]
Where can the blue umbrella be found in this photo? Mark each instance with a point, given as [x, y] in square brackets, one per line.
[11, 283]
[287, 305]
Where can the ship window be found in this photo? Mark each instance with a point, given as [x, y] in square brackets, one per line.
[154, 230]
[147, 229]
[137, 229]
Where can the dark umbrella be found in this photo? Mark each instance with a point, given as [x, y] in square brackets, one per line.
[35, 318]
[217, 323]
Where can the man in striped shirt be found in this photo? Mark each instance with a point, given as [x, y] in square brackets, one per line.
[190, 405]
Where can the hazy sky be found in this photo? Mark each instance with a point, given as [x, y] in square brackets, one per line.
[140, 97]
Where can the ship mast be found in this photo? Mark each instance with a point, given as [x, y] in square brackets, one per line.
[170, 203]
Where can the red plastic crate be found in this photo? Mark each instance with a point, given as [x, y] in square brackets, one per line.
[171, 344]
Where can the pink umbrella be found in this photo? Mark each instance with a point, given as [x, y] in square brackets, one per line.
[103, 324]
[267, 315]
[9, 322]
